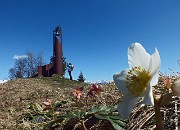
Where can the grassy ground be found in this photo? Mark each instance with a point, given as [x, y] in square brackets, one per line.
[17, 95]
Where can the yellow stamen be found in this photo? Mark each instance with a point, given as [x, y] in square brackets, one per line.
[137, 80]
[78, 92]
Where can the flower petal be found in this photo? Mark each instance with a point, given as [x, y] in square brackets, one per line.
[46, 103]
[148, 96]
[137, 56]
[120, 81]
[154, 64]
[154, 79]
[78, 96]
[125, 107]
[75, 93]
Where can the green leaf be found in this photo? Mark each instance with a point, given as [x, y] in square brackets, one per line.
[113, 108]
[92, 110]
[115, 117]
[77, 114]
[70, 115]
[103, 117]
[116, 126]
[103, 108]
[83, 113]
[120, 123]
[80, 114]
[59, 103]
[115, 120]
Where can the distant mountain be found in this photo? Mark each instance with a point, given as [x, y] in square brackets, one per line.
[99, 82]
[3, 81]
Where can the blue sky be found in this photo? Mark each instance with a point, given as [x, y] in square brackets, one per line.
[96, 33]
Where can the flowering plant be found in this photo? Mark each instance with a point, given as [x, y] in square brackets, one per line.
[47, 104]
[70, 114]
[94, 89]
[137, 81]
[77, 92]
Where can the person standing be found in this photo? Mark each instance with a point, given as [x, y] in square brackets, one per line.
[70, 69]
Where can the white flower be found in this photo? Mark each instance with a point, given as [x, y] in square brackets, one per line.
[176, 87]
[137, 81]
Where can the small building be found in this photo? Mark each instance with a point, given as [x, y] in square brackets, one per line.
[56, 67]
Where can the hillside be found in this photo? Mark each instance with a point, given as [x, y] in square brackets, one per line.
[17, 95]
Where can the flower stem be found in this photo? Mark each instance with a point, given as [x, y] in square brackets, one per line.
[83, 124]
[159, 119]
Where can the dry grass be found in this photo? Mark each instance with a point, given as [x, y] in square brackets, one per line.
[144, 117]
[16, 95]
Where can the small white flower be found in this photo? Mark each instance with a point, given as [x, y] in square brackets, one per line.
[176, 87]
[137, 81]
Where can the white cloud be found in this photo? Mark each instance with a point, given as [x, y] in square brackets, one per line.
[19, 57]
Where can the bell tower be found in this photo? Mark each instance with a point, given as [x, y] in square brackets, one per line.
[57, 51]
[57, 66]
